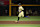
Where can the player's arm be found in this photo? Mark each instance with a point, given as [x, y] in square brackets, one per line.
[22, 9]
[19, 9]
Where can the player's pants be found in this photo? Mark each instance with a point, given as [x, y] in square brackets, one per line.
[21, 14]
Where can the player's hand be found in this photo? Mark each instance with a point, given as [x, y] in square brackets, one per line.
[20, 11]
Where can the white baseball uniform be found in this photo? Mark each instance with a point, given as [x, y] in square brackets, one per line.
[21, 14]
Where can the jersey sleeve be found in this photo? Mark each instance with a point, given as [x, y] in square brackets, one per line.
[22, 8]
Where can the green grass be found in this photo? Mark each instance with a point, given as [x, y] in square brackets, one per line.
[19, 25]
[14, 18]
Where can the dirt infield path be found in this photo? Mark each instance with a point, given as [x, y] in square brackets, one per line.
[20, 22]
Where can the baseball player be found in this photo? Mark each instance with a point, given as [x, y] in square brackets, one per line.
[21, 11]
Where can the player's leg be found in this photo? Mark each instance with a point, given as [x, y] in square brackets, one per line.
[19, 16]
[22, 14]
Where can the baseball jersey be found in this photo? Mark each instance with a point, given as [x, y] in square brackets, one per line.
[20, 8]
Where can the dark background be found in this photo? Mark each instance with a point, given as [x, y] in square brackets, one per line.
[26, 1]
[33, 8]
[4, 5]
